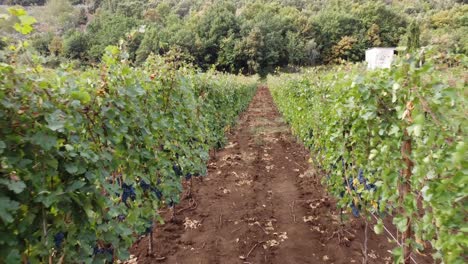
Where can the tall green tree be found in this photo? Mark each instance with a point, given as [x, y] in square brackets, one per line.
[149, 44]
[413, 36]
[107, 29]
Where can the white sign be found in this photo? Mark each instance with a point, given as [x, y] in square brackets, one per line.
[379, 57]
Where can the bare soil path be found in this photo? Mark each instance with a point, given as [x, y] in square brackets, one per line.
[261, 202]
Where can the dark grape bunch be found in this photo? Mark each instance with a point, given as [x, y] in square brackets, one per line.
[146, 186]
[128, 192]
[58, 239]
[354, 210]
[177, 170]
[350, 184]
[121, 217]
[362, 180]
[101, 251]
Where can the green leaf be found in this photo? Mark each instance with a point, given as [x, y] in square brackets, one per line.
[415, 130]
[114, 50]
[368, 116]
[373, 154]
[378, 228]
[56, 120]
[69, 147]
[397, 255]
[47, 142]
[17, 11]
[71, 168]
[395, 88]
[427, 196]
[23, 29]
[15, 186]
[401, 223]
[75, 186]
[13, 257]
[394, 130]
[82, 96]
[2, 146]
[27, 20]
[7, 206]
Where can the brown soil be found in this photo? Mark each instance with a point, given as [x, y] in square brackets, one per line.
[261, 202]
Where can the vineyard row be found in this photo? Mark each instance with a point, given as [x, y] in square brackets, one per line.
[87, 158]
[392, 143]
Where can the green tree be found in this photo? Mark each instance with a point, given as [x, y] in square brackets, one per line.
[264, 29]
[371, 24]
[215, 24]
[391, 24]
[345, 50]
[41, 42]
[149, 44]
[373, 35]
[106, 29]
[56, 46]
[413, 36]
[332, 26]
[230, 56]
[76, 45]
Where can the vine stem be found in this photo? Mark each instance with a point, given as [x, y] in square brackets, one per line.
[44, 225]
[406, 188]
[44, 230]
[253, 248]
[150, 243]
[364, 261]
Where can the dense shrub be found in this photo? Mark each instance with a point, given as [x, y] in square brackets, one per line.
[76, 45]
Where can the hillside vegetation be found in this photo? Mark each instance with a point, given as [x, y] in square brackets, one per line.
[244, 36]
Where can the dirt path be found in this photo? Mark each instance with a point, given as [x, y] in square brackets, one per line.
[261, 203]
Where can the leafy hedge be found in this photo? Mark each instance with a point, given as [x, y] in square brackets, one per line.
[87, 158]
[356, 124]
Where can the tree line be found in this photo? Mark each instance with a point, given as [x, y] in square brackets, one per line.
[244, 36]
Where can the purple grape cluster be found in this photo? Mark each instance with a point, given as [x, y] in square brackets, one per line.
[146, 186]
[177, 170]
[101, 251]
[128, 192]
[350, 184]
[121, 217]
[354, 210]
[58, 239]
[362, 180]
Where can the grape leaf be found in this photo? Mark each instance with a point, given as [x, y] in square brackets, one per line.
[7, 206]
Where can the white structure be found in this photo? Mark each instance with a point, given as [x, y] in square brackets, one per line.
[379, 57]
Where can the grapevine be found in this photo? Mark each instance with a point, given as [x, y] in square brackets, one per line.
[392, 143]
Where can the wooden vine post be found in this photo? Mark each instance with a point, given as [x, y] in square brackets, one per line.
[406, 187]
